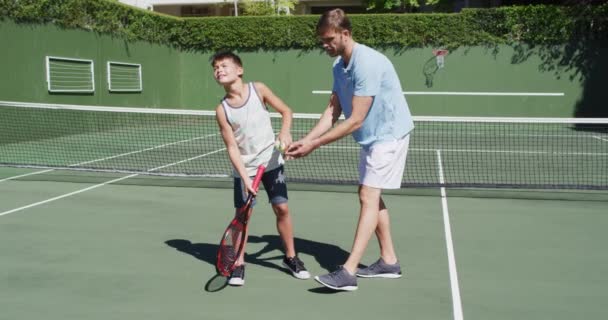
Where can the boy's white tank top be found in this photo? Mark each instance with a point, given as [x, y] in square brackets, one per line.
[253, 133]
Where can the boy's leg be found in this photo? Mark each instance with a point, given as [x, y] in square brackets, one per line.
[285, 228]
[274, 183]
[240, 198]
[276, 189]
[291, 261]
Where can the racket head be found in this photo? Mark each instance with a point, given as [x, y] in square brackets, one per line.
[231, 246]
[233, 239]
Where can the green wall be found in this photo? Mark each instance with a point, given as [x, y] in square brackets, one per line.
[23, 75]
[174, 79]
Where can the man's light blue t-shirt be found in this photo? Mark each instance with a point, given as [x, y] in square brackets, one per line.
[370, 73]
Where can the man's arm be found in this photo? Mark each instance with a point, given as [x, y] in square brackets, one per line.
[327, 120]
[361, 106]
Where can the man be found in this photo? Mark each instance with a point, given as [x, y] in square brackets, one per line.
[367, 90]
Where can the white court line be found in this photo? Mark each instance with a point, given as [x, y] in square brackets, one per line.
[524, 152]
[111, 157]
[600, 138]
[573, 136]
[456, 301]
[65, 195]
[519, 152]
[103, 184]
[470, 93]
[144, 150]
[25, 175]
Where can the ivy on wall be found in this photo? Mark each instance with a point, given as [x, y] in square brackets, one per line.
[541, 24]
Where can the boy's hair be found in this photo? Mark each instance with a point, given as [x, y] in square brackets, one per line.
[222, 55]
[334, 19]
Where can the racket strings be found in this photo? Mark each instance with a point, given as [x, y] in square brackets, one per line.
[230, 248]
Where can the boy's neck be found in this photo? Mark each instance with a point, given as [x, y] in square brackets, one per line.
[235, 89]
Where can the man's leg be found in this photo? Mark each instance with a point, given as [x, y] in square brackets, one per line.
[344, 278]
[382, 166]
[368, 222]
[383, 233]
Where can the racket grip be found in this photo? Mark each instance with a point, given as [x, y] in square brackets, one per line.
[258, 178]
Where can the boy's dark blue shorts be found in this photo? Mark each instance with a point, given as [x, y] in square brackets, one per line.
[274, 184]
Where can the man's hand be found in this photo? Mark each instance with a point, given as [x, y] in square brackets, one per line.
[300, 149]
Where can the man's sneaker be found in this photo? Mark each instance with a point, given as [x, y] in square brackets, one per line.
[338, 280]
[296, 266]
[380, 269]
[237, 277]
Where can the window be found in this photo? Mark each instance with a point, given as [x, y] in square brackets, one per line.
[124, 77]
[69, 75]
[194, 11]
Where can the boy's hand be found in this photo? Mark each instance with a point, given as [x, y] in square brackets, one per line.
[248, 186]
[283, 142]
[285, 139]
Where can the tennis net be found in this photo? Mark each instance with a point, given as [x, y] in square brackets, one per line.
[547, 153]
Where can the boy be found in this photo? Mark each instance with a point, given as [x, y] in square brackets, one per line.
[246, 129]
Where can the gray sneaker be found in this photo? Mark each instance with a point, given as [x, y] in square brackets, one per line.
[338, 280]
[380, 269]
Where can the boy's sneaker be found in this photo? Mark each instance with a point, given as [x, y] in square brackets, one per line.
[237, 277]
[380, 269]
[338, 280]
[296, 266]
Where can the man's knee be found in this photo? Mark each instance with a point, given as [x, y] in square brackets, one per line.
[369, 195]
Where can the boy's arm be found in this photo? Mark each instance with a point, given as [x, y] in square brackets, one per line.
[233, 150]
[269, 98]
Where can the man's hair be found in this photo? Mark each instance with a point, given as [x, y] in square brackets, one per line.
[334, 19]
[222, 55]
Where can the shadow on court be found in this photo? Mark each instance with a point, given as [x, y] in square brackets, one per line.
[328, 256]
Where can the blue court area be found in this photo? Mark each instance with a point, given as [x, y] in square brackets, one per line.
[89, 249]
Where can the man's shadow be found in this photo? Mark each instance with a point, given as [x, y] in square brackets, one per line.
[328, 256]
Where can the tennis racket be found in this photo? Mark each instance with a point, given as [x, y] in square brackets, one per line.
[233, 240]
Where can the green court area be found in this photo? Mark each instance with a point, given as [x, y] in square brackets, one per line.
[89, 250]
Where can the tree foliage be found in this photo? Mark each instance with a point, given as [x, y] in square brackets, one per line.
[543, 24]
[397, 5]
[268, 7]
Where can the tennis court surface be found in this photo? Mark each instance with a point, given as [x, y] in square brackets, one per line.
[131, 231]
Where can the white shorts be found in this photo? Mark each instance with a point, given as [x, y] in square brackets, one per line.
[381, 165]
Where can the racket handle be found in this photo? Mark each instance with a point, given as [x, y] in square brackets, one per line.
[258, 178]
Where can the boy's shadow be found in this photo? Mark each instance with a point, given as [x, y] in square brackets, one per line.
[328, 256]
[203, 251]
